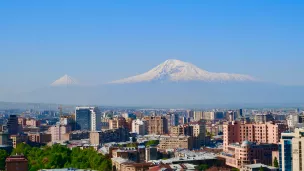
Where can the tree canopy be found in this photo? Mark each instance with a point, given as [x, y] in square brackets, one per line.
[58, 156]
[152, 143]
[3, 155]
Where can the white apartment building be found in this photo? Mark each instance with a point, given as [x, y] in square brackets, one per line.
[139, 126]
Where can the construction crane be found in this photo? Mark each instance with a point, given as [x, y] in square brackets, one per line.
[60, 111]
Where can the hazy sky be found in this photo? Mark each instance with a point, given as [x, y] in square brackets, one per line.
[100, 41]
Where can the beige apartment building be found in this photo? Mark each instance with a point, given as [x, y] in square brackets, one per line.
[117, 122]
[157, 125]
[173, 142]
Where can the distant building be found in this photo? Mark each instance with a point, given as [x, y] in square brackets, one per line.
[38, 137]
[208, 116]
[118, 122]
[139, 126]
[57, 132]
[198, 115]
[32, 122]
[16, 163]
[151, 153]
[88, 118]
[293, 120]
[157, 125]
[199, 134]
[175, 142]
[4, 138]
[12, 125]
[263, 118]
[111, 135]
[181, 130]
[17, 139]
[173, 119]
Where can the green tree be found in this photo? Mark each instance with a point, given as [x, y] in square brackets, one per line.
[3, 156]
[235, 169]
[202, 167]
[152, 143]
[276, 163]
[261, 169]
[58, 156]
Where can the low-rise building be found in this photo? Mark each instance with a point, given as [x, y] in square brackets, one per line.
[174, 142]
[121, 164]
[257, 167]
[126, 153]
[16, 163]
[239, 155]
[112, 135]
[39, 137]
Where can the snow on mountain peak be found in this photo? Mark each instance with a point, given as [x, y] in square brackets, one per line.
[65, 81]
[176, 70]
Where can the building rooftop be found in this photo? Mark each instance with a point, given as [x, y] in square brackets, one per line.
[66, 169]
[258, 165]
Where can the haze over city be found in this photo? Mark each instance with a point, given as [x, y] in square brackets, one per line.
[99, 42]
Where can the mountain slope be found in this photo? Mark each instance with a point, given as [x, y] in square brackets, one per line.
[176, 70]
[65, 80]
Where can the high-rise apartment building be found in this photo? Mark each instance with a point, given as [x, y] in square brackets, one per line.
[181, 130]
[238, 131]
[139, 126]
[156, 124]
[285, 152]
[118, 122]
[57, 131]
[12, 125]
[209, 116]
[173, 119]
[88, 118]
[199, 133]
[198, 115]
[262, 118]
[291, 156]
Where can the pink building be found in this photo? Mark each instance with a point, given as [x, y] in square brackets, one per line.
[22, 121]
[28, 122]
[237, 132]
[239, 155]
[57, 132]
[32, 122]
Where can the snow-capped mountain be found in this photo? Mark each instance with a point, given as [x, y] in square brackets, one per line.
[65, 80]
[176, 70]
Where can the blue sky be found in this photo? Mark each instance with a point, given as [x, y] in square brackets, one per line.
[99, 41]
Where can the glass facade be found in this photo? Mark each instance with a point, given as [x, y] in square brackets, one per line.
[285, 155]
[83, 119]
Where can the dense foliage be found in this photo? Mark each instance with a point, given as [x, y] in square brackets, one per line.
[202, 167]
[58, 156]
[3, 155]
[152, 143]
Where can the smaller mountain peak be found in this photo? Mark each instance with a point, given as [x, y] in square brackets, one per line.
[65, 80]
